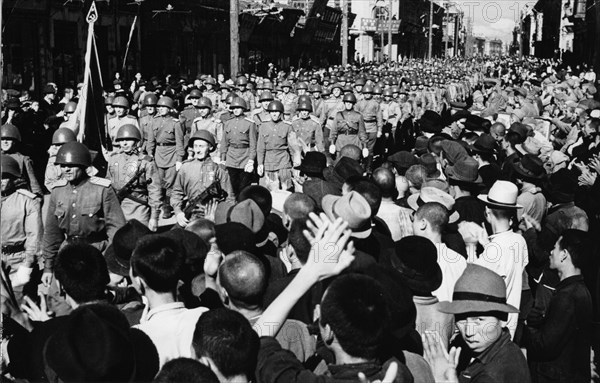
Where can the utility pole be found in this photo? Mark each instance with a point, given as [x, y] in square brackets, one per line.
[430, 29]
[521, 35]
[234, 37]
[447, 21]
[344, 32]
[390, 32]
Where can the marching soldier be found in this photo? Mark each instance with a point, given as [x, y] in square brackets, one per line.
[53, 172]
[215, 98]
[207, 121]
[275, 147]
[68, 110]
[348, 128]
[288, 99]
[308, 128]
[315, 92]
[189, 114]
[10, 139]
[81, 208]
[238, 147]
[196, 175]
[371, 112]
[245, 93]
[330, 109]
[121, 107]
[135, 179]
[21, 226]
[390, 110]
[149, 103]
[166, 145]
[262, 115]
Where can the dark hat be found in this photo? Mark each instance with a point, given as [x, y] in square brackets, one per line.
[416, 261]
[421, 144]
[49, 89]
[520, 92]
[502, 195]
[431, 122]
[249, 214]
[478, 290]
[477, 124]
[346, 167]
[454, 151]
[460, 114]
[118, 253]
[430, 163]
[562, 186]
[465, 170]
[13, 103]
[313, 163]
[232, 236]
[484, 144]
[520, 129]
[403, 160]
[194, 250]
[530, 167]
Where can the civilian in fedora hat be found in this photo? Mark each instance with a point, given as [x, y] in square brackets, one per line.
[402, 160]
[504, 252]
[344, 168]
[484, 150]
[530, 173]
[431, 194]
[430, 163]
[311, 181]
[416, 263]
[465, 183]
[479, 306]
[352, 208]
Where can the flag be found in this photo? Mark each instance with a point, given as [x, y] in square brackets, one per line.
[91, 117]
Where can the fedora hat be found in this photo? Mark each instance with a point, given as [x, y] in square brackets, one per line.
[346, 167]
[421, 144]
[503, 195]
[118, 254]
[313, 163]
[484, 144]
[454, 151]
[562, 186]
[530, 146]
[416, 261]
[402, 160]
[478, 290]
[432, 194]
[530, 167]
[352, 208]
[249, 214]
[430, 163]
[466, 170]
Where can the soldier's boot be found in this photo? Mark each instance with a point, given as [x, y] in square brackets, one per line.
[167, 209]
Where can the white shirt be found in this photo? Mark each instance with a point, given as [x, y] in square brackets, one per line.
[397, 218]
[171, 328]
[453, 265]
[506, 255]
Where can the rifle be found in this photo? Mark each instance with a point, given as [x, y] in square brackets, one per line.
[213, 190]
[124, 191]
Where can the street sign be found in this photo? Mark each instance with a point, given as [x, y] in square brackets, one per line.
[378, 25]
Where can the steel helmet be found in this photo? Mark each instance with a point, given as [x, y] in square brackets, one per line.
[70, 107]
[242, 80]
[268, 85]
[266, 96]
[336, 85]
[108, 100]
[286, 83]
[349, 97]
[302, 85]
[275, 106]
[348, 88]
[368, 88]
[388, 92]
[304, 105]
[211, 81]
[120, 101]
[165, 101]
[128, 132]
[204, 135]
[395, 89]
[304, 98]
[230, 97]
[239, 102]
[315, 88]
[377, 89]
[195, 93]
[360, 82]
[62, 136]
[73, 153]
[10, 166]
[205, 102]
[10, 132]
[326, 92]
[150, 99]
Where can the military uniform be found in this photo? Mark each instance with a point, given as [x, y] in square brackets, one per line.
[213, 125]
[274, 150]
[260, 116]
[329, 110]
[373, 119]
[349, 128]
[248, 96]
[390, 112]
[193, 178]
[290, 102]
[310, 131]
[142, 198]
[166, 144]
[88, 211]
[187, 117]
[214, 97]
[145, 126]
[27, 173]
[115, 123]
[238, 146]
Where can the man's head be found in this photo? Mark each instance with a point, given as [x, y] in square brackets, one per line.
[354, 316]
[243, 281]
[156, 264]
[82, 273]
[371, 192]
[385, 180]
[498, 131]
[570, 250]
[225, 341]
[297, 206]
[430, 219]
[185, 370]
[298, 246]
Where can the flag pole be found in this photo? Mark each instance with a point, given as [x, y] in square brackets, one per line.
[91, 18]
[129, 43]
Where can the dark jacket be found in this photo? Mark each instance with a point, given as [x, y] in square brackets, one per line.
[558, 348]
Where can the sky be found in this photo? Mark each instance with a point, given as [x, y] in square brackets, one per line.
[496, 18]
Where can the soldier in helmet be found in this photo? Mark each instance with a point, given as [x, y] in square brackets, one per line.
[288, 99]
[226, 113]
[209, 122]
[372, 116]
[135, 179]
[81, 208]
[390, 110]
[9, 141]
[53, 172]
[329, 110]
[348, 128]
[69, 121]
[308, 128]
[242, 84]
[315, 91]
[166, 145]
[190, 113]
[197, 174]
[149, 104]
[262, 115]
[121, 106]
[238, 147]
[21, 226]
[215, 98]
[275, 147]
[301, 88]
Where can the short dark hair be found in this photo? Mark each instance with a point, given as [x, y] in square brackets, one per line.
[577, 243]
[185, 370]
[355, 308]
[500, 213]
[386, 181]
[226, 337]
[82, 272]
[244, 278]
[513, 139]
[158, 261]
[371, 193]
[299, 205]
[203, 228]
[260, 195]
[299, 243]
[435, 213]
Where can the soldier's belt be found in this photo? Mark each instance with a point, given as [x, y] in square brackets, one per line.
[239, 146]
[348, 132]
[92, 238]
[13, 248]
[331, 118]
[371, 120]
[165, 144]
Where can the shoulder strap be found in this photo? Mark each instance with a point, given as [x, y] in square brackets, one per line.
[26, 193]
[100, 181]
